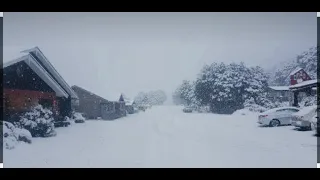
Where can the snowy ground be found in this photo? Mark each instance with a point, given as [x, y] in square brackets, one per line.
[167, 137]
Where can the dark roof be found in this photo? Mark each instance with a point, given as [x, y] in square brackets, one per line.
[76, 88]
[41, 65]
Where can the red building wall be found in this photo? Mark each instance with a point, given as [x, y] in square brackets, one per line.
[299, 76]
[16, 100]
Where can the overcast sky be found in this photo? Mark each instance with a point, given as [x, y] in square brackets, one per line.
[109, 53]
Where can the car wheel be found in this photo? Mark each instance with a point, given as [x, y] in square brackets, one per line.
[274, 123]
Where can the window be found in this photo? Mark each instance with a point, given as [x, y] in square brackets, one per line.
[292, 110]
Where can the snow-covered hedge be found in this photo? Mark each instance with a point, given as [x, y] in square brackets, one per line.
[12, 135]
[38, 121]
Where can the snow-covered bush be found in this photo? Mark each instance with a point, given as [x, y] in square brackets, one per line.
[12, 135]
[250, 105]
[38, 121]
[244, 112]
[308, 101]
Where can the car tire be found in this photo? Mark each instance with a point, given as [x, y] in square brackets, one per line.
[274, 123]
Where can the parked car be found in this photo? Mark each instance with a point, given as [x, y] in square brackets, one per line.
[315, 124]
[78, 118]
[188, 110]
[277, 116]
[302, 119]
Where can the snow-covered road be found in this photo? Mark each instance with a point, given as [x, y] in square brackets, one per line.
[164, 136]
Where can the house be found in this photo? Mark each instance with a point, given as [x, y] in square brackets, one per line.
[298, 76]
[89, 103]
[303, 89]
[95, 106]
[31, 80]
[301, 85]
[129, 104]
[279, 93]
[119, 108]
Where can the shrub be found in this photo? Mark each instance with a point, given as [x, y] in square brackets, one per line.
[38, 121]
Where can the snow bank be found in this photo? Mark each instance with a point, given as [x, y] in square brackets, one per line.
[244, 112]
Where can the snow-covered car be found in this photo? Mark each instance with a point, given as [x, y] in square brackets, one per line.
[188, 110]
[78, 118]
[315, 124]
[277, 116]
[302, 119]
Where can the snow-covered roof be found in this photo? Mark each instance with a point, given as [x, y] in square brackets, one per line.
[295, 71]
[77, 88]
[304, 83]
[279, 88]
[40, 56]
[14, 61]
[306, 110]
[41, 72]
[279, 108]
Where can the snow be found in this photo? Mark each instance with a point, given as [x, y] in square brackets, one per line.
[279, 88]
[305, 110]
[164, 136]
[304, 83]
[279, 108]
[12, 135]
[295, 71]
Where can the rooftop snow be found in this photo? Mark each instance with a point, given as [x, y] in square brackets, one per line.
[295, 71]
[306, 110]
[279, 108]
[304, 83]
[279, 88]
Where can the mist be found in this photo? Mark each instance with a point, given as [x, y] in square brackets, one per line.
[112, 53]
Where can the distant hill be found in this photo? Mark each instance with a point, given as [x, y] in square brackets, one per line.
[306, 60]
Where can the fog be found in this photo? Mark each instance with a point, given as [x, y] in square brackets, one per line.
[111, 53]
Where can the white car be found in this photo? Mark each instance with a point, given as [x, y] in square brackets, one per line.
[315, 124]
[277, 116]
[302, 119]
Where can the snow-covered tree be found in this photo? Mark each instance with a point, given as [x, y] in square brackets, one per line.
[226, 87]
[151, 98]
[306, 60]
[185, 93]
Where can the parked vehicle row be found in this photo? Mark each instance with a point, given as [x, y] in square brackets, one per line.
[305, 118]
